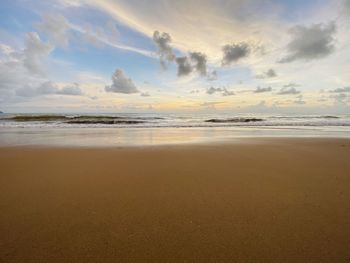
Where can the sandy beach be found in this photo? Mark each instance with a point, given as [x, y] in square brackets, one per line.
[267, 200]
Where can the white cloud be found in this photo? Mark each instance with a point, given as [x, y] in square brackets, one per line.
[340, 98]
[35, 54]
[193, 25]
[49, 88]
[121, 84]
[341, 90]
[56, 27]
[72, 89]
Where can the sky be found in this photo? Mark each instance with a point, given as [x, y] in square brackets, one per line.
[278, 56]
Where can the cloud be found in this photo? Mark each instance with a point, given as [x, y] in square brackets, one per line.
[195, 91]
[184, 66]
[56, 27]
[49, 88]
[13, 73]
[121, 84]
[212, 76]
[194, 62]
[346, 4]
[72, 89]
[46, 88]
[291, 85]
[307, 43]
[268, 74]
[234, 52]
[200, 62]
[228, 92]
[341, 90]
[165, 51]
[262, 90]
[198, 24]
[213, 90]
[288, 91]
[145, 94]
[99, 36]
[299, 100]
[71, 3]
[35, 54]
[223, 91]
[210, 104]
[340, 98]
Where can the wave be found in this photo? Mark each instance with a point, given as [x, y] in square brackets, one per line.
[81, 119]
[306, 117]
[152, 120]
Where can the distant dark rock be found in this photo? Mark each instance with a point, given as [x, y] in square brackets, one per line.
[330, 117]
[104, 121]
[38, 118]
[234, 120]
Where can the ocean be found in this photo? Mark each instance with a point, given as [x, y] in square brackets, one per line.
[118, 129]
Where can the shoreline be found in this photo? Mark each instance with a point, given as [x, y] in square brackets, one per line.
[265, 200]
[268, 140]
[149, 137]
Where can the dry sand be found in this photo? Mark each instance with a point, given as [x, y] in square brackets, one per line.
[276, 200]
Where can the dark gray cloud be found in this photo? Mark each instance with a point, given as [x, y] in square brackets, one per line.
[49, 88]
[145, 94]
[200, 62]
[195, 62]
[288, 91]
[346, 4]
[271, 73]
[227, 92]
[165, 51]
[213, 90]
[268, 74]
[121, 84]
[341, 90]
[262, 90]
[223, 91]
[314, 42]
[184, 66]
[234, 52]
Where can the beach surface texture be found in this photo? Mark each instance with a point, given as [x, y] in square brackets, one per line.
[256, 200]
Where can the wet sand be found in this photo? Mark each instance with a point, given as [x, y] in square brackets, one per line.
[271, 200]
